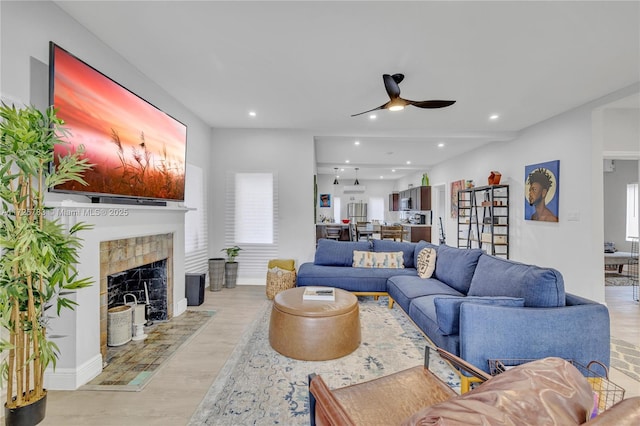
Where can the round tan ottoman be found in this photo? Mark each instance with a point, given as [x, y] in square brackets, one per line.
[314, 330]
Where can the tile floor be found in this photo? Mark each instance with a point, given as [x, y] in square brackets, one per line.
[132, 365]
[177, 389]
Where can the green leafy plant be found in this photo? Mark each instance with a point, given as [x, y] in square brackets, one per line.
[37, 267]
[232, 253]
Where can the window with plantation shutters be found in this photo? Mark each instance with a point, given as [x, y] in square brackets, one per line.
[251, 215]
[195, 222]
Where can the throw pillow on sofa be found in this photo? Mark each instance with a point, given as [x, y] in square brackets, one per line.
[426, 262]
[448, 309]
[407, 249]
[370, 259]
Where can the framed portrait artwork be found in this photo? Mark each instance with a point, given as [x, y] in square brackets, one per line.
[542, 191]
[455, 187]
[325, 200]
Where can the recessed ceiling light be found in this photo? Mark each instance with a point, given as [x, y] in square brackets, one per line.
[347, 161]
[356, 143]
[408, 162]
[373, 117]
[381, 177]
[494, 117]
[393, 170]
[342, 170]
[441, 145]
[252, 113]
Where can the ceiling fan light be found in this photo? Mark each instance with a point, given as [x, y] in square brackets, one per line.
[396, 108]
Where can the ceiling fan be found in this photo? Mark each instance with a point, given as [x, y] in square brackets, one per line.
[396, 103]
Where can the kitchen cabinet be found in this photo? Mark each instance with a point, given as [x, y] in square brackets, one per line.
[416, 233]
[421, 198]
[394, 202]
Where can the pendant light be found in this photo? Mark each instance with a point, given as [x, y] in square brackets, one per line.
[335, 180]
[356, 182]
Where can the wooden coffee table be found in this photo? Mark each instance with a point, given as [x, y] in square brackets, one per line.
[314, 330]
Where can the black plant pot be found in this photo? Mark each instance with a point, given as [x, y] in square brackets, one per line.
[230, 274]
[28, 415]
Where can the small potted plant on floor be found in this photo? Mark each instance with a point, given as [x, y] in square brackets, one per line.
[231, 266]
[37, 266]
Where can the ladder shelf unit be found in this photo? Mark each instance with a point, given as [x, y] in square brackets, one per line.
[483, 219]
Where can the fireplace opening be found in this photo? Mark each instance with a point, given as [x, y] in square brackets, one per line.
[147, 283]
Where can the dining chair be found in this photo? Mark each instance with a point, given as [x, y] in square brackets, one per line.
[364, 230]
[394, 232]
[334, 232]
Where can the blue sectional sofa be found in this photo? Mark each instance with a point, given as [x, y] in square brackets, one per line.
[476, 306]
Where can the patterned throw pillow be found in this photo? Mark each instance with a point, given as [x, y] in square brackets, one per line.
[361, 259]
[426, 262]
[375, 259]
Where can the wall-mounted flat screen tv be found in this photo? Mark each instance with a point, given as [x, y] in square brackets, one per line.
[138, 151]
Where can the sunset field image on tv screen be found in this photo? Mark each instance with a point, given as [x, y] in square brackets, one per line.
[138, 151]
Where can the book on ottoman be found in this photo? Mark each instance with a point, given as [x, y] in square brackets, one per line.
[319, 293]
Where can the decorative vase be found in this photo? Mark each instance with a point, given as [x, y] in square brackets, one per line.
[494, 178]
[216, 273]
[425, 180]
[230, 274]
[27, 415]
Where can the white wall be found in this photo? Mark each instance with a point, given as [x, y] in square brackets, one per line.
[26, 29]
[291, 155]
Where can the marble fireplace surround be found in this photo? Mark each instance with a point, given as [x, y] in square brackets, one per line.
[127, 253]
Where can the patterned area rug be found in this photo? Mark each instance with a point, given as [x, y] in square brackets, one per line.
[131, 366]
[258, 386]
[615, 279]
[625, 357]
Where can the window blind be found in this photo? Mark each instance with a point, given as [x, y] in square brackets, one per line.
[195, 222]
[251, 217]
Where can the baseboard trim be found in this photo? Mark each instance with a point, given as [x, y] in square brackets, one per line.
[181, 307]
[72, 379]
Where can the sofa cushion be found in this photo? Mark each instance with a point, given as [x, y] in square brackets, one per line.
[370, 259]
[348, 278]
[403, 289]
[540, 287]
[447, 309]
[338, 253]
[549, 391]
[426, 262]
[455, 266]
[406, 248]
[422, 312]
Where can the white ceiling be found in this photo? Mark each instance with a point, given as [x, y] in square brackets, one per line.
[310, 65]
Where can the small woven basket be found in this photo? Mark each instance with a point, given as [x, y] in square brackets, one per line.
[278, 281]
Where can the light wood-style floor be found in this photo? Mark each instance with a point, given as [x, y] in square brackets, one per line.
[175, 392]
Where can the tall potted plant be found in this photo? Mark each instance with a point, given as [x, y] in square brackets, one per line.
[231, 266]
[37, 266]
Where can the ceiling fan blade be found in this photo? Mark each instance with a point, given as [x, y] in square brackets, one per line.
[375, 109]
[431, 104]
[398, 78]
[393, 90]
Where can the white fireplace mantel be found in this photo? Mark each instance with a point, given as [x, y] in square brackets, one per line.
[80, 353]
